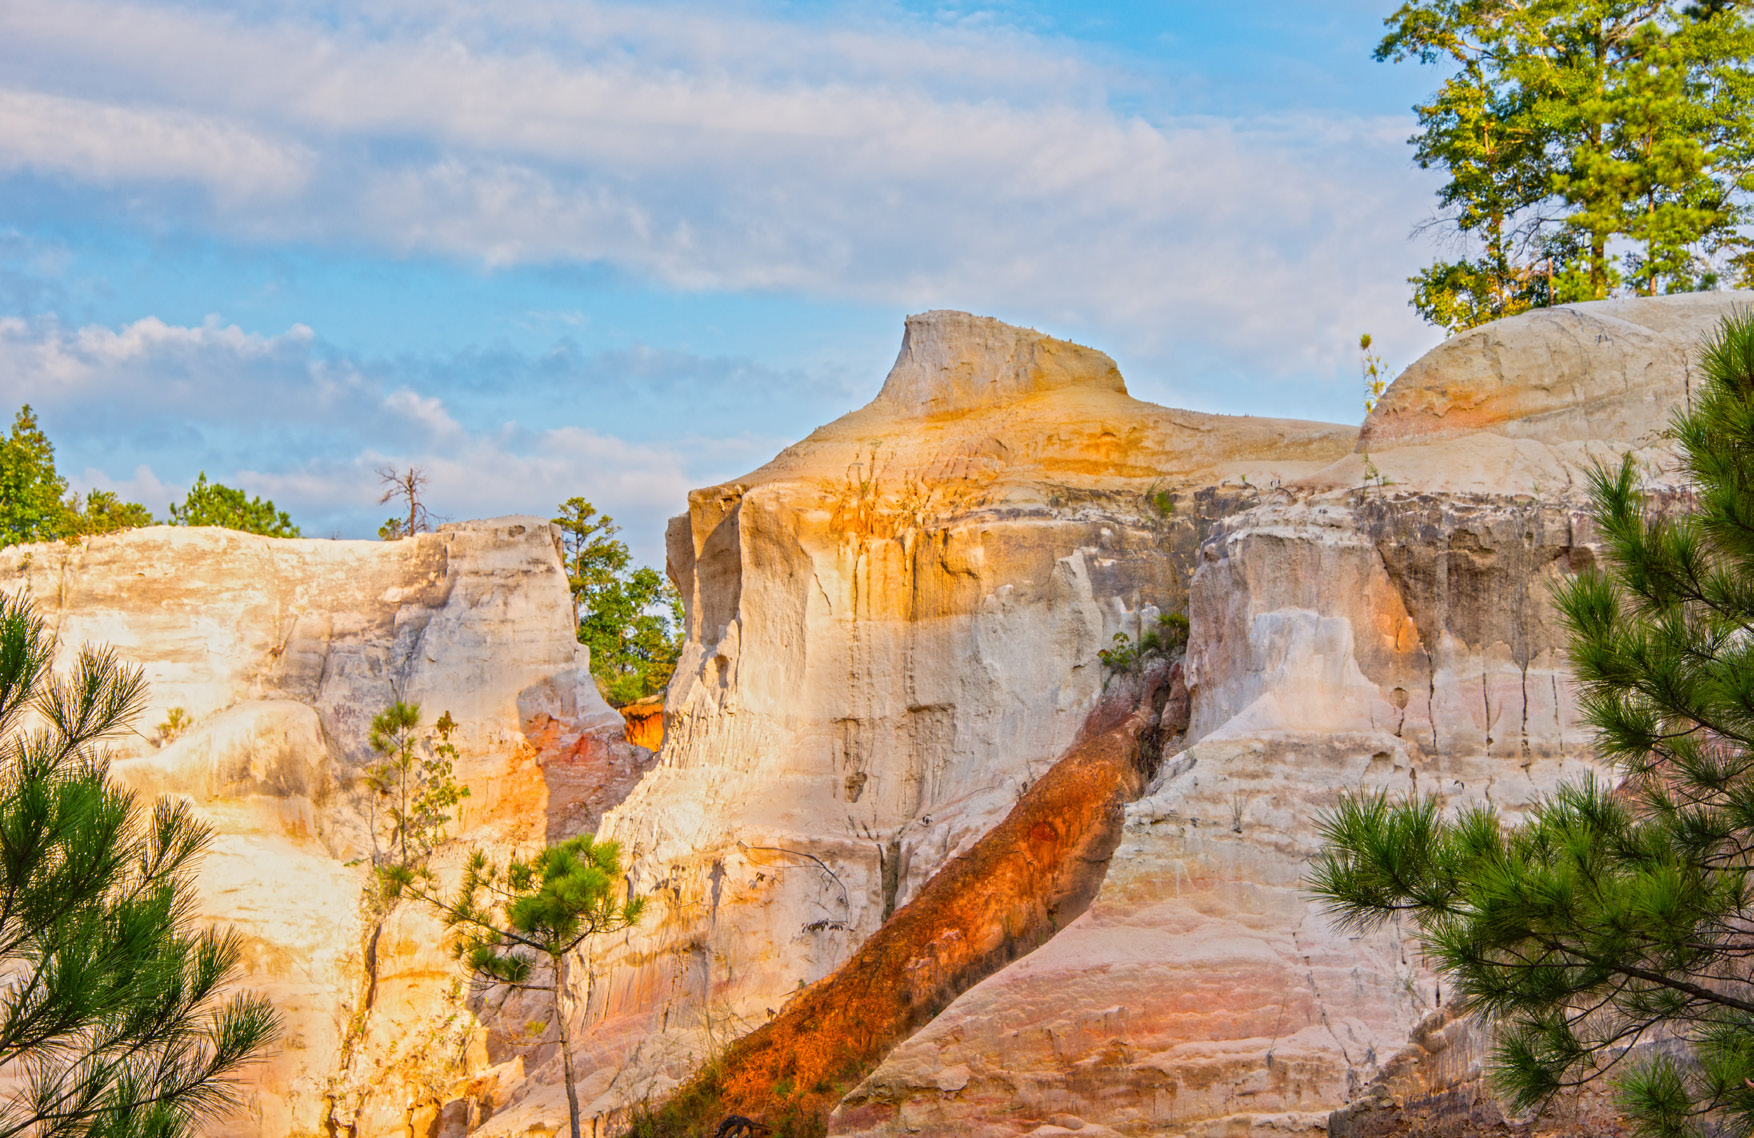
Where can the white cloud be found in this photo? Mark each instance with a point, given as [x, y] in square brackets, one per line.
[899, 163]
[281, 417]
[108, 143]
[426, 410]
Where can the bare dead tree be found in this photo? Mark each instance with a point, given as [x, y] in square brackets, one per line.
[405, 485]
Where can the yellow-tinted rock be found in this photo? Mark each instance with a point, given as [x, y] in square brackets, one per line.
[893, 629]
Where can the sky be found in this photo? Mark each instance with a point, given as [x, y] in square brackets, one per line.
[546, 248]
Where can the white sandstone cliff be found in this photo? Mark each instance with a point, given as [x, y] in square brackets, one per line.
[893, 629]
[281, 651]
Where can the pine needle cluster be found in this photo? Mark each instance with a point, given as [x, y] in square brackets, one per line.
[114, 1019]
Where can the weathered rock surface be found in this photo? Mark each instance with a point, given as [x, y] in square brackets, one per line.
[893, 629]
[280, 652]
[1608, 371]
[1344, 634]
[1436, 1088]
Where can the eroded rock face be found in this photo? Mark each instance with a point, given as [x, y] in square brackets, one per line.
[280, 652]
[1607, 371]
[1436, 1087]
[1390, 633]
[893, 629]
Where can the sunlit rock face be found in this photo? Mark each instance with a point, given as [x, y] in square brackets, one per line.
[893, 629]
[1383, 627]
[280, 652]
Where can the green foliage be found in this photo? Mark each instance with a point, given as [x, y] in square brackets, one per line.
[416, 782]
[1170, 636]
[31, 492]
[631, 619]
[215, 504]
[101, 512]
[116, 1023]
[1573, 129]
[516, 924]
[509, 918]
[1613, 915]
[34, 503]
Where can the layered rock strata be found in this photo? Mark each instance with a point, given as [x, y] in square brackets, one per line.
[1032, 873]
[1384, 623]
[893, 630]
[278, 653]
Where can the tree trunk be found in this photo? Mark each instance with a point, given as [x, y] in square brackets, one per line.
[572, 1095]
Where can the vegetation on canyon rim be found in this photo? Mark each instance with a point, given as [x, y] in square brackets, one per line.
[35, 504]
[630, 618]
[122, 1028]
[1614, 915]
[1590, 146]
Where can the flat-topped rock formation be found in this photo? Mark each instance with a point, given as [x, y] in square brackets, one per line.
[952, 362]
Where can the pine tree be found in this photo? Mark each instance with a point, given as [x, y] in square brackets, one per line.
[1614, 915]
[517, 925]
[114, 1020]
[416, 780]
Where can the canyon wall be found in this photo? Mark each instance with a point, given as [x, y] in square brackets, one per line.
[893, 631]
[1384, 623]
[279, 653]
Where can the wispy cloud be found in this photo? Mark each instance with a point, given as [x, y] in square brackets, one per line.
[112, 144]
[884, 160]
[286, 416]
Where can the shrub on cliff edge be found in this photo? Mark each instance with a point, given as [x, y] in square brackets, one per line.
[630, 618]
[1615, 915]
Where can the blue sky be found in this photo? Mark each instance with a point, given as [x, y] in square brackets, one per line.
[548, 248]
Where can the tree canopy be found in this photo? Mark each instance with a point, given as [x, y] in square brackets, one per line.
[1615, 915]
[215, 504]
[629, 617]
[1589, 145]
[115, 1021]
[34, 502]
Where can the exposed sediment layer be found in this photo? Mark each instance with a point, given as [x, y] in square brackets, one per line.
[1383, 626]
